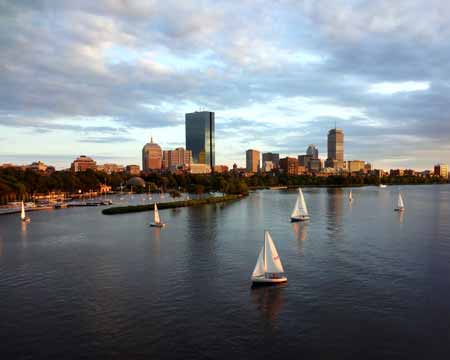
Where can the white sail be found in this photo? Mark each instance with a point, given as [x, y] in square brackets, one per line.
[22, 214]
[400, 203]
[300, 208]
[350, 196]
[156, 215]
[272, 260]
[260, 269]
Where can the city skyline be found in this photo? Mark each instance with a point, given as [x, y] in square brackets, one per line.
[131, 70]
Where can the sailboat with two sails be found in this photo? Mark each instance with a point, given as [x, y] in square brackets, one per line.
[300, 212]
[268, 269]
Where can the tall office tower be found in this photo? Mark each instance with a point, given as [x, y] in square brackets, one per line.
[335, 148]
[312, 151]
[200, 134]
[151, 156]
[273, 157]
[252, 160]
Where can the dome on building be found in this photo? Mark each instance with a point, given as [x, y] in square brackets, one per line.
[136, 181]
[151, 156]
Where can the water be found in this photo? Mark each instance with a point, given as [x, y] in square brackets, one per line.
[364, 281]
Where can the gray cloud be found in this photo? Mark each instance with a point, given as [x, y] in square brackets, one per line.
[142, 64]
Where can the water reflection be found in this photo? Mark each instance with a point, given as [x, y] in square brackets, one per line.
[300, 230]
[335, 205]
[23, 233]
[269, 300]
[401, 215]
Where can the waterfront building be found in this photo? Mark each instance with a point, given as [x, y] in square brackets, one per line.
[267, 166]
[304, 160]
[273, 157]
[38, 166]
[396, 172]
[290, 166]
[335, 149]
[312, 151]
[133, 170]
[441, 170]
[356, 165]
[111, 168]
[151, 156]
[200, 137]
[220, 169]
[315, 165]
[178, 158]
[83, 163]
[200, 169]
[252, 161]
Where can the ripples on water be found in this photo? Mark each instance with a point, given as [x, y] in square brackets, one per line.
[363, 281]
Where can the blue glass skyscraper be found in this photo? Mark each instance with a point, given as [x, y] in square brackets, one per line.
[200, 133]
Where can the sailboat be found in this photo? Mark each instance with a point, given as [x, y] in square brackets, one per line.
[350, 196]
[300, 212]
[23, 216]
[400, 204]
[268, 269]
[383, 186]
[157, 220]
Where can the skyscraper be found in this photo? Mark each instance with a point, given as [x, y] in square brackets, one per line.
[200, 129]
[252, 160]
[312, 151]
[151, 156]
[335, 148]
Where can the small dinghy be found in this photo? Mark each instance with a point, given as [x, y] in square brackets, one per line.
[157, 219]
[300, 212]
[400, 204]
[23, 216]
[268, 269]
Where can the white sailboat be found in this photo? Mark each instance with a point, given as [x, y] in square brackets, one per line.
[300, 212]
[400, 204]
[350, 196]
[23, 216]
[156, 218]
[268, 269]
[383, 186]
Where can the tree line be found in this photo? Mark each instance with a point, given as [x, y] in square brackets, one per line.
[17, 184]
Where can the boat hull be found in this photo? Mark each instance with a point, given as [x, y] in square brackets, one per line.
[399, 209]
[158, 225]
[299, 218]
[261, 280]
[26, 220]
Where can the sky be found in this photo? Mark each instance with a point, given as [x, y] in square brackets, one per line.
[100, 77]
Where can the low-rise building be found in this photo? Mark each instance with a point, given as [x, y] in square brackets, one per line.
[220, 169]
[200, 169]
[83, 163]
[289, 165]
[396, 172]
[111, 168]
[133, 170]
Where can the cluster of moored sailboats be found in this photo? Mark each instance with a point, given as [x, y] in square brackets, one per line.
[268, 269]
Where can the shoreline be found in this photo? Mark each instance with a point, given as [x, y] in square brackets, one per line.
[169, 205]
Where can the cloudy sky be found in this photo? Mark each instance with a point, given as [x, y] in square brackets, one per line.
[100, 77]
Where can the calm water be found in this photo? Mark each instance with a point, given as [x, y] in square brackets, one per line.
[364, 281]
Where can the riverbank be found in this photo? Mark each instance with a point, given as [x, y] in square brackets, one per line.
[170, 205]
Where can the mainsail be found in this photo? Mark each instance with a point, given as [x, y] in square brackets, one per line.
[300, 208]
[156, 215]
[22, 214]
[350, 196]
[400, 203]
